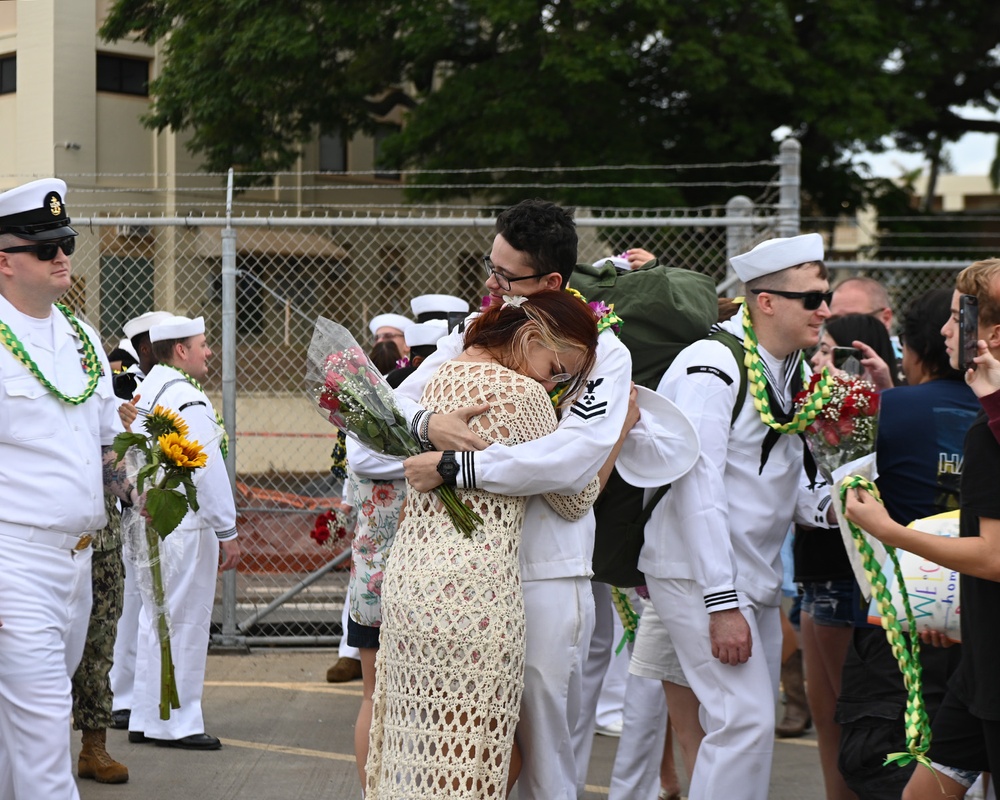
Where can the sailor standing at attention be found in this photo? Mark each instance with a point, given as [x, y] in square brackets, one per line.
[58, 419]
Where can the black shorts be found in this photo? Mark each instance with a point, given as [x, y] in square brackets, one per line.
[362, 636]
[964, 741]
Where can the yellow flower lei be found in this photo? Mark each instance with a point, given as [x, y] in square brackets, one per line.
[758, 386]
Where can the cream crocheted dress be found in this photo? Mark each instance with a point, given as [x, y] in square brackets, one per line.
[450, 664]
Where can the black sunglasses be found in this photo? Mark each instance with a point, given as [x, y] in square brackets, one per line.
[45, 251]
[810, 300]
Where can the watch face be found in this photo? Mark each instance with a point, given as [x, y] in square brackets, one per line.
[447, 466]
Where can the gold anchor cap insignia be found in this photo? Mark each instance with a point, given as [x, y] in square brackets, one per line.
[55, 206]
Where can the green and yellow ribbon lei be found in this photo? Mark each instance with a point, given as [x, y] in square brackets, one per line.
[630, 620]
[91, 363]
[918, 733]
[758, 386]
[224, 443]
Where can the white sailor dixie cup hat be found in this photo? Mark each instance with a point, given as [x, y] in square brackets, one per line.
[677, 444]
[437, 306]
[424, 333]
[144, 322]
[36, 211]
[397, 321]
[177, 328]
[775, 255]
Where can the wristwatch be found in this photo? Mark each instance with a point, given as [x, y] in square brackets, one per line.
[448, 467]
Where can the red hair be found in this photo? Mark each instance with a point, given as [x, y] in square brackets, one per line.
[558, 319]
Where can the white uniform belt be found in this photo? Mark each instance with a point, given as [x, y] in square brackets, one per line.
[60, 539]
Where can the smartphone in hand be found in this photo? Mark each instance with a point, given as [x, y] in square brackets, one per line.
[847, 359]
[968, 331]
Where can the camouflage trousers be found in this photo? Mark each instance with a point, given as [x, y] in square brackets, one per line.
[91, 687]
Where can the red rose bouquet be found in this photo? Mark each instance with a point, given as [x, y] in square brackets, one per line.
[330, 530]
[844, 430]
[352, 394]
[842, 442]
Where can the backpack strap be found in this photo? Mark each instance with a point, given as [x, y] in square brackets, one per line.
[736, 348]
[647, 509]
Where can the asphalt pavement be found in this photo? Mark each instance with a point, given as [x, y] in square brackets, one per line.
[287, 733]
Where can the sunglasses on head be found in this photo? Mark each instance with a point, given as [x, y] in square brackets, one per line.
[45, 251]
[810, 300]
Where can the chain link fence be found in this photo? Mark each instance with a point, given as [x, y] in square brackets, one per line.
[908, 255]
[260, 282]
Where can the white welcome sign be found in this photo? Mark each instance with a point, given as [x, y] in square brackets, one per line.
[932, 589]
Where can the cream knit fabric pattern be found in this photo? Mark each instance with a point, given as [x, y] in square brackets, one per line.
[450, 665]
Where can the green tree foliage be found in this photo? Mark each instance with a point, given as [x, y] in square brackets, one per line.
[500, 84]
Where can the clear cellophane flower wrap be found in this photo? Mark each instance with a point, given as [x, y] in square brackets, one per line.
[842, 442]
[160, 462]
[354, 397]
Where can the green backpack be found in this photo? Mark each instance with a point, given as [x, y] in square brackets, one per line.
[664, 309]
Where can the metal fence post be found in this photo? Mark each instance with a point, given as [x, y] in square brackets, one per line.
[739, 238]
[230, 637]
[789, 186]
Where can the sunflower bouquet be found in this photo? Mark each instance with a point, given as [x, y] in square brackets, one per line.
[164, 459]
[352, 395]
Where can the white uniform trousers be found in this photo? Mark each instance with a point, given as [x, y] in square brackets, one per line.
[636, 771]
[595, 667]
[45, 596]
[123, 669]
[190, 594]
[611, 700]
[737, 702]
[559, 621]
[345, 650]
[635, 774]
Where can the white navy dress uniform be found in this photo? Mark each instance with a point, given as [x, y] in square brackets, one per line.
[51, 503]
[555, 553]
[190, 556]
[122, 675]
[713, 543]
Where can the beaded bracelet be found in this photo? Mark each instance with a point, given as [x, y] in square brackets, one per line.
[424, 434]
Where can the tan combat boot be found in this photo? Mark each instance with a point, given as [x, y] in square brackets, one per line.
[797, 718]
[96, 763]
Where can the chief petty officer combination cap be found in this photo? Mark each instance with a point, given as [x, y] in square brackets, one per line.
[775, 255]
[177, 328]
[36, 211]
[144, 322]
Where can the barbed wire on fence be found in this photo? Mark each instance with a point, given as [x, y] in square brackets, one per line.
[298, 259]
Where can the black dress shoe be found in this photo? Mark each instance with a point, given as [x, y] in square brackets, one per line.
[196, 741]
[138, 737]
[120, 718]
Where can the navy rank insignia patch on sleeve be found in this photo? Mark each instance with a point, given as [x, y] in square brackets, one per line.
[592, 404]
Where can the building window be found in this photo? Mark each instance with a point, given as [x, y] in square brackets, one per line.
[381, 134]
[123, 75]
[8, 74]
[126, 289]
[332, 152]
